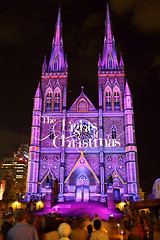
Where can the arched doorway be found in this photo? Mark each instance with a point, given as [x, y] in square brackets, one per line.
[82, 188]
[117, 195]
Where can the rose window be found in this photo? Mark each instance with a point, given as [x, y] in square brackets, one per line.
[82, 131]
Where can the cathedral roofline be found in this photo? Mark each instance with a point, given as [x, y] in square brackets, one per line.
[82, 95]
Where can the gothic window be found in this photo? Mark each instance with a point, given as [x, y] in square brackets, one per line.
[116, 98]
[108, 98]
[110, 64]
[114, 129]
[56, 65]
[57, 99]
[49, 100]
[82, 105]
[51, 134]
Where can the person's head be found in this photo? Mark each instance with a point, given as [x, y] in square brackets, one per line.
[75, 224]
[86, 218]
[90, 229]
[64, 229]
[96, 215]
[97, 224]
[111, 219]
[10, 209]
[20, 215]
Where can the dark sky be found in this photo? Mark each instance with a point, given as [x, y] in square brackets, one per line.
[26, 31]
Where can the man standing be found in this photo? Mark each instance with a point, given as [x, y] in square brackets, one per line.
[22, 230]
[7, 224]
[98, 234]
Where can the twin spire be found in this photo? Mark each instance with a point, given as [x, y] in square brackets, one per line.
[58, 63]
[109, 58]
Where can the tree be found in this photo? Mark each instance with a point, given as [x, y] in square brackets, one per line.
[13, 186]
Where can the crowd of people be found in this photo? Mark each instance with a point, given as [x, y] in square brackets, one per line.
[23, 226]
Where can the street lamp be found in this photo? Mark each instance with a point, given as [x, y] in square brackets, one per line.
[16, 204]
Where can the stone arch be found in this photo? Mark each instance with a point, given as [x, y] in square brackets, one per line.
[82, 170]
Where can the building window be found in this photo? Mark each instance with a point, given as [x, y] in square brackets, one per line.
[110, 64]
[57, 99]
[108, 100]
[51, 133]
[116, 99]
[114, 129]
[49, 100]
[55, 65]
[82, 105]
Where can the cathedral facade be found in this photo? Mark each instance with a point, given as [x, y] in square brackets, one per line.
[89, 153]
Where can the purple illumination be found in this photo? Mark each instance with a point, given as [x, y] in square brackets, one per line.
[81, 209]
[83, 154]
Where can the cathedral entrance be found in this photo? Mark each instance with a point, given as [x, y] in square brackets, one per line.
[117, 196]
[82, 188]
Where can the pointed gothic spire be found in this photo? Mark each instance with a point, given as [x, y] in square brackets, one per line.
[99, 62]
[121, 63]
[57, 62]
[38, 92]
[108, 32]
[127, 97]
[58, 28]
[109, 58]
[66, 63]
[127, 89]
[44, 66]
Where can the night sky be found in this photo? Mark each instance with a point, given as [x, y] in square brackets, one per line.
[27, 28]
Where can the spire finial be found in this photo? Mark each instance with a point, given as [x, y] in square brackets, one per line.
[108, 32]
[121, 63]
[44, 66]
[58, 27]
[82, 88]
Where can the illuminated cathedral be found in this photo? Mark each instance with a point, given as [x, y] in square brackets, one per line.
[82, 153]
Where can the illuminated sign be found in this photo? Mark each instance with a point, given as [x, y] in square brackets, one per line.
[81, 133]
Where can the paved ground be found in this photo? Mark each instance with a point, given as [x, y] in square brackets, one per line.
[81, 209]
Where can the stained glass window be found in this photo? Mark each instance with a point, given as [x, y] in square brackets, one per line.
[116, 99]
[48, 100]
[57, 99]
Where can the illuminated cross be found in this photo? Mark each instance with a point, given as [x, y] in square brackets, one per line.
[82, 88]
